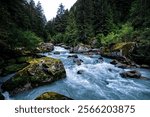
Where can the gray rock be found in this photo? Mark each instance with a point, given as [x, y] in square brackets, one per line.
[120, 65]
[114, 62]
[56, 52]
[45, 47]
[80, 72]
[81, 48]
[77, 61]
[73, 56]
[131, 74]
[145, 66]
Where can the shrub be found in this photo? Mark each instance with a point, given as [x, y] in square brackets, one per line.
[27, 39]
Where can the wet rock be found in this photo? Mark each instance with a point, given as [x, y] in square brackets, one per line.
[95, 50]
[80, 72]
[45, 47]
[90, 54]
[122, 49]
[81, 48]
[39, 72]
[56, 52]
[131, 74]
[145, 66]
[114, 62]
[1, 97]
[73, 56]
[123, 66]
[52, 96]
[66, 47]
[101, 59]
[77, 61]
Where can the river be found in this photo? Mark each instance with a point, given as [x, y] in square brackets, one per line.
[96, 82]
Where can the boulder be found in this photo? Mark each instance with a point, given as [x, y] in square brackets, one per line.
[39, 72]
[73, 56]
[123, 49]
[45, 47]
[114, 62]
[56, 52]
[66, 47]
[77, 61]
[1, 97]
[52, 96]
[145, 66]
[80, 72]
[131, 74]
[81, 48]
[123, 66]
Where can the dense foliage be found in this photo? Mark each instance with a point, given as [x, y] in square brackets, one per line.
[108, 21]
[93, 22]
[21, 23]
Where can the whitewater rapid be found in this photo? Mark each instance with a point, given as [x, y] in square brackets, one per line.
[98, 80]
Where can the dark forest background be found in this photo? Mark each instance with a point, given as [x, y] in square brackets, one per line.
[97, 22]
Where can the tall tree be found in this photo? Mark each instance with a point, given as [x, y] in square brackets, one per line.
[41, 20]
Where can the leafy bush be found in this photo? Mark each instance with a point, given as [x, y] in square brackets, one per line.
[58, 38]
[30, 40]
[125, 32]
[122, 34]
[27, 39]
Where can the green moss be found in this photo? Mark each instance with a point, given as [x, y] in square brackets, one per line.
[39, 72]
[52, 96]
[125, 47]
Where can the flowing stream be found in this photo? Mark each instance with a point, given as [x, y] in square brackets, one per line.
[98, 81]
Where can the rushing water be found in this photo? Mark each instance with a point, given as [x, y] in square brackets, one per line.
[96, 82]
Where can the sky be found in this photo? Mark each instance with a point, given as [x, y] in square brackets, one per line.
[50, 7]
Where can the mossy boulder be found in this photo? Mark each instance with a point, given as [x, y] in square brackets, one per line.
[52, 96]
[125, 48]
[119, 49]
[1, 97]
[39, 72]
